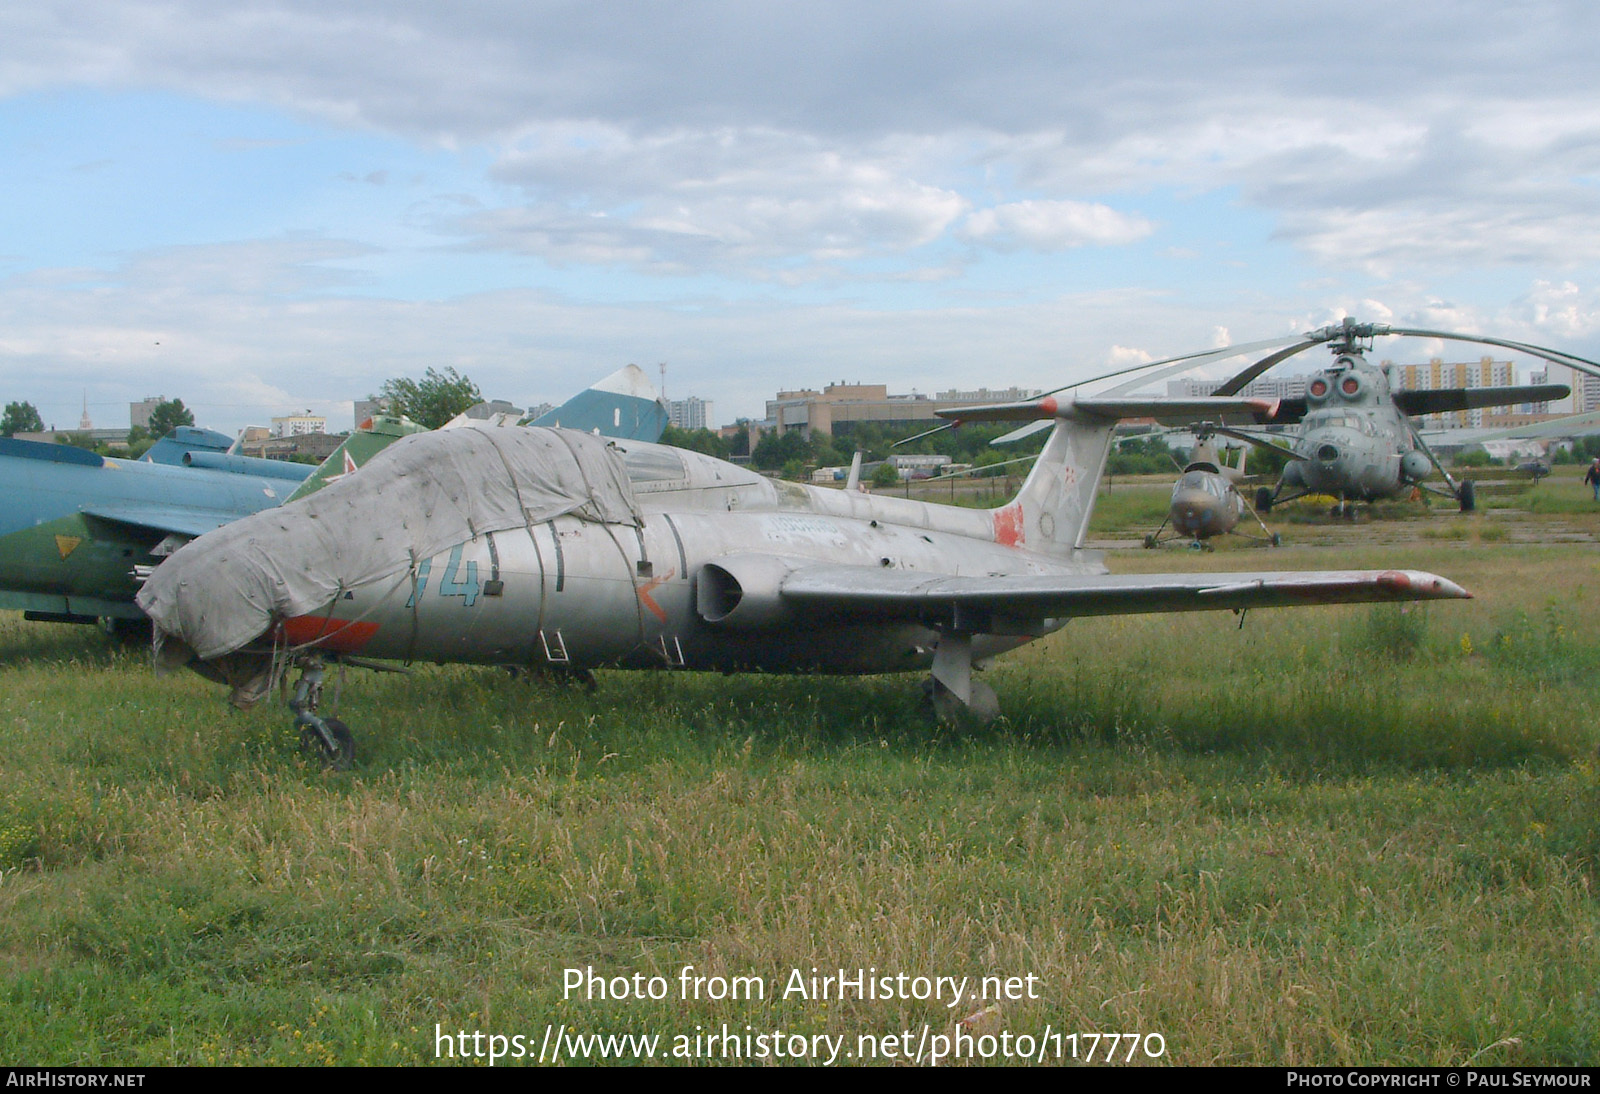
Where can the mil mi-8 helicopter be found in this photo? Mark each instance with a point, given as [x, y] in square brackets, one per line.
[1205, 500]
[1357, 441]
[555, 549]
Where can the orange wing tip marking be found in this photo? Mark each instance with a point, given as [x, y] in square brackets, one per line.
[1049, 406]
[1402, 581]
[344, 635]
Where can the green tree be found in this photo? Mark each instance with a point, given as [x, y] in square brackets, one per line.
[432, 400]
[774, 450]
[885, 475]
[168, 415]
[21, 418]
[695, 440]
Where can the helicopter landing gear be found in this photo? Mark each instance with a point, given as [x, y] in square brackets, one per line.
[1263, 499]
[327, 738]
[1467, 495]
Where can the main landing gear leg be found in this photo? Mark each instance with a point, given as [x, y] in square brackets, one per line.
[955, 694]
[328, 738]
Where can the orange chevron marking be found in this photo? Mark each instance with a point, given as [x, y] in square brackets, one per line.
[649, 601]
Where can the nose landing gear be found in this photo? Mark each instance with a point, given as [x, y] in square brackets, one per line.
[329, 739]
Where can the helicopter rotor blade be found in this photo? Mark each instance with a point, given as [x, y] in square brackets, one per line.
[1173, 365]
[1555, 357]
[1236, 383]
[1023, 432]
[926, 433]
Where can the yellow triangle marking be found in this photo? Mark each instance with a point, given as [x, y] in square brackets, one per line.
[67, 544]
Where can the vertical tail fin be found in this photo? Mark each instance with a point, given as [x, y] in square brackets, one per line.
[1050, 514]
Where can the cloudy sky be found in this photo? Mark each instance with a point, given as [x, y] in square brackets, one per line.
[274, 205]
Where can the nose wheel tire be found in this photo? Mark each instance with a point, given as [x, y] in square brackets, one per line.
[1467, 496]
[339, 753]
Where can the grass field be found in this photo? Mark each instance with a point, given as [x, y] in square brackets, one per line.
[1331, 836]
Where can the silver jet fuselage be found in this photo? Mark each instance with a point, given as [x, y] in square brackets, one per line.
[695, 586]
[552, 548]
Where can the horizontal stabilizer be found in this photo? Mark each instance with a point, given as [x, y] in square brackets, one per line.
[52, 453]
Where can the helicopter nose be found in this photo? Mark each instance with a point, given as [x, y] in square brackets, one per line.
[1192, 511]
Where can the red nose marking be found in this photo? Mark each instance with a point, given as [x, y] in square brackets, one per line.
[344, 635]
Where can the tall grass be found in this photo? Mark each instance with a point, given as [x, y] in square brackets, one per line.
[1332, 836]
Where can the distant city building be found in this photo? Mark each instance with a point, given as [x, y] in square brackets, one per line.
[139, 413]
[689, 413]
[1585, 392]
[1436, 374]
[298, 425]
[317, 446]
[1266, 387]
[491, 409]
[917, 466]
[369, 408]
[841, 406]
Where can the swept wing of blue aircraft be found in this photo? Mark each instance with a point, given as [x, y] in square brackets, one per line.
[75, 524]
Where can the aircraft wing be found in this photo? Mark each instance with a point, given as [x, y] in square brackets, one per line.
[993, 604]
[183, 520]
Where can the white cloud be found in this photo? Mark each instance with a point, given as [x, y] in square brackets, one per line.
[748, 133]
[1053, 226]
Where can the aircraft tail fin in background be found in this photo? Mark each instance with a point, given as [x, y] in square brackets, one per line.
[1050, 514]
[624, 405]
[373, 436]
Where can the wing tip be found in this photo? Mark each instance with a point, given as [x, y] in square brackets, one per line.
[1427, 586]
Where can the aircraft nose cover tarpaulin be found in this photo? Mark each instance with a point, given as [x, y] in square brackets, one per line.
[421, 495]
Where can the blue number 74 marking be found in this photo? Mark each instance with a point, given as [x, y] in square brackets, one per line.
[449, 586]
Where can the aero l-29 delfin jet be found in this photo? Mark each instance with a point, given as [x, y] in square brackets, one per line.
[553, 549]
